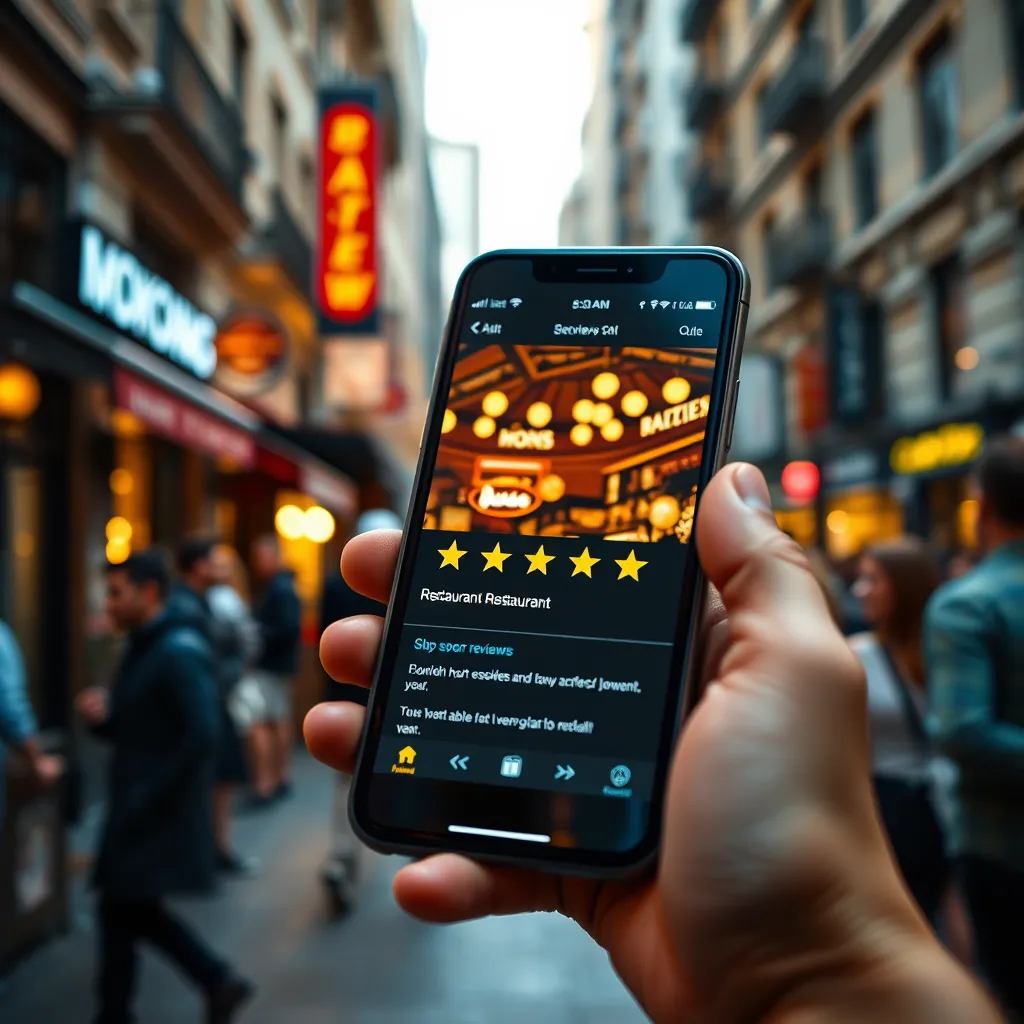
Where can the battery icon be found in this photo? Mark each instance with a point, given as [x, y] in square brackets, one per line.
[704, 305]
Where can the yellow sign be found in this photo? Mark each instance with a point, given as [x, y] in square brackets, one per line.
[675, 416]
[954, 444]
[531, 440]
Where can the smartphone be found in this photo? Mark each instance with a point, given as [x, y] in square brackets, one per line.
[539, 644]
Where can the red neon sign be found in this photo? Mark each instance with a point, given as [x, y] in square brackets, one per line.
[801, 481]
[346, 272]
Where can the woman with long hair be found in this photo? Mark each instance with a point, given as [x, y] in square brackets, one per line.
[895, 582]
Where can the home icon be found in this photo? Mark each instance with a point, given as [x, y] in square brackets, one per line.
[406, 755]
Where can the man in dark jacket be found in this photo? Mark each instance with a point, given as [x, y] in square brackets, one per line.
[161, 718]
[197, 573]
[279, 618]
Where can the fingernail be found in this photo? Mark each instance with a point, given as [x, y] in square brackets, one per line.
[751, 487]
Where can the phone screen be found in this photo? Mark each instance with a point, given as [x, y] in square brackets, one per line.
[531, 675]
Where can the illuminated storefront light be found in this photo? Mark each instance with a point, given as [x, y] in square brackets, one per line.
[552, 487]
[634, 404]
[612, 430]
[583, 410]
[484, 426]
[119, 529]
[966, 358]
[838, 521]
[121, 482]
[676, 390]
[603, 414]
[290, 522]
[664, 512]
[20, 392]
[582, 434]
[801, 482]
[605, 385]
[449, 422]
[539, 415]
[318, 524]
[495, 404]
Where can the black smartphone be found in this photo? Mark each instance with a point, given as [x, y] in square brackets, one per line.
[536, 660]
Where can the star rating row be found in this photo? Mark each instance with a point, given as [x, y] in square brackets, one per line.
[583, 563]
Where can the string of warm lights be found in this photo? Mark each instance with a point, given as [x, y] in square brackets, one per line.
[587, 414]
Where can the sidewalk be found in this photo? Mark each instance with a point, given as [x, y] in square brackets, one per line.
[375, 967]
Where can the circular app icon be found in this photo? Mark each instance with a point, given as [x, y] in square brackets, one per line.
[620, 776]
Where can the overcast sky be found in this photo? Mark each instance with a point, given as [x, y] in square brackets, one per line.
[513, 77]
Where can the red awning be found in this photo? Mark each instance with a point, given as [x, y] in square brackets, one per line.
[181, 422]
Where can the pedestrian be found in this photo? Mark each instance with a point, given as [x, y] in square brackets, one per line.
[279, 618]
[774, 896]
[896, 580]
[161, 718]
[17, 721]
[975, 646]
[236, 644]
[341, 870]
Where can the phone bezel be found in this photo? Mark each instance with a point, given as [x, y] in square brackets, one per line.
[558, 266]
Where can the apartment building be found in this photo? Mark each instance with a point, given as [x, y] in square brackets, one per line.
[161, 369]
[866, 160]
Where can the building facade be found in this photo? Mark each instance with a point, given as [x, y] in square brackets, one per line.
[160, 361]
[865, 158]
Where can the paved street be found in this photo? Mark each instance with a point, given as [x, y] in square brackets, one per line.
[376, 967]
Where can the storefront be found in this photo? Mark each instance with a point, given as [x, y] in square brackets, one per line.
[572, 441]
[858, 507]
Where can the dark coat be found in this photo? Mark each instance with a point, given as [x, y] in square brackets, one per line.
[279, 617]
[163, 725]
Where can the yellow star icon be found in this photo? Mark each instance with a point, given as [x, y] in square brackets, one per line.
[584, 563]
[539, 561]
[496, 558]
[450, 556]
[630, 566]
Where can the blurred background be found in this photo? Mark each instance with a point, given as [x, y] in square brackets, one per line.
[195, 335]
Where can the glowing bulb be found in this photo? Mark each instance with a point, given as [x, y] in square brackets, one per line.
[290, 522]
[603, 413]
[612, 430]
[676, 390]
[118, 550]
[605, 384]
[838, 521]
[319, 524]
[449, 421]
[664, 512]
[539, 415]
[582, 434]
[119, 528]
[634, 403]
[552, 487]
[121, 482]
[966, 358]
[483, 426]
[583, 410]
[495, 403]
[20, 392]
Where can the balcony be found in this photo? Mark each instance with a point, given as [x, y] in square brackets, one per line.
[709, 187]
[289, 244]
[799, 250]
[695, 19]
[178, 130]
[793, 102]
[704, 102]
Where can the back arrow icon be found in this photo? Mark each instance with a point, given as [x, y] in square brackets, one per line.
[459, 762]
[564, 773]
[475, 328]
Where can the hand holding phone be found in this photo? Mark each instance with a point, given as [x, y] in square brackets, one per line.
[774, 875]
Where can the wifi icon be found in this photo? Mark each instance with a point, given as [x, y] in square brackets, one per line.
[515, 303]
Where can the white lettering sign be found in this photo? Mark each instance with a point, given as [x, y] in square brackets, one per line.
[537, 440]
[115, 285]
[675, 416]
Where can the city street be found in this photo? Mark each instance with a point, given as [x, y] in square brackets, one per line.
[376, 966]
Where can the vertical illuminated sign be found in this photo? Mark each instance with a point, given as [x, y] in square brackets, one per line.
[346, 268]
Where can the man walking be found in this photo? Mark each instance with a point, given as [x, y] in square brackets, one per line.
[974, 635]
[198, 571]
[161, 719]
[279, 618]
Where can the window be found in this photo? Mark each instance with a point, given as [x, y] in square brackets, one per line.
[940, 105]
[239, 63]
[32, 201]
[864, 150]
[814, 190]
[278, 139]
[759, 113]
[947, 288]
[855, 16]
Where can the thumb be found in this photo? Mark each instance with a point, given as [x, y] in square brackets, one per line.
[762, 574]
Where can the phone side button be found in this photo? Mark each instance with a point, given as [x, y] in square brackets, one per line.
[731, 413]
